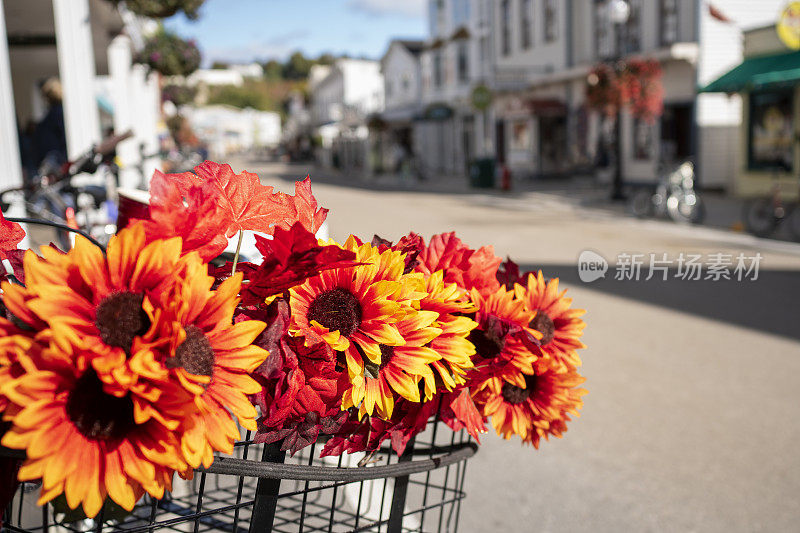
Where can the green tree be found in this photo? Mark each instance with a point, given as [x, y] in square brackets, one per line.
[297, 67]
[273, 70]
[219, 65]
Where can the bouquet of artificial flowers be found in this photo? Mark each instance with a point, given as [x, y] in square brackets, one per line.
[121, 366]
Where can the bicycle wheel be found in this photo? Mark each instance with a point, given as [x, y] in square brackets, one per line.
[759, 217]
[641, 204]
[686, 208]
[793, 221]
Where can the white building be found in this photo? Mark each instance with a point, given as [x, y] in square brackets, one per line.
[215, 76]
[545, 49]
[250, 70]
[229, 130]
[78, 41]
[402, 79]
[457, 59]
[342, 100]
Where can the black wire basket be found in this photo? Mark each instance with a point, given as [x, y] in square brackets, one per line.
[260, 489]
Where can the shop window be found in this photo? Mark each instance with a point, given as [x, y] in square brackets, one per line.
[643, 140]
[463, 62]
[526, 24]
[550, 20]
[506, 29]
[520, 135]
[770, 137]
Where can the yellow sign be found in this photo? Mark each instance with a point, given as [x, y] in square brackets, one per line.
[788, 26]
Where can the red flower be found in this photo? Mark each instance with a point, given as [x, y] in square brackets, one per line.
[11, 234]
[290, 258]
[467, 268]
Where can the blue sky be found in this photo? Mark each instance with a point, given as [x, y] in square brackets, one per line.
[242, 30]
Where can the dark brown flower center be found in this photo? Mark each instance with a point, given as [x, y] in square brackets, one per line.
[487, 346]
[544, 325]
[336, 309]
[195, 354]
[96, 414]
[371, 369]
[120, 318]
[514, 394]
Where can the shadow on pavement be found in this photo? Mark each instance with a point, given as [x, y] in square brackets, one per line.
[768, 304]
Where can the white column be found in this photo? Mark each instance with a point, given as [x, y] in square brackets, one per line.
[10, 165]
[76, 70]
[145, 100]
[119, 69]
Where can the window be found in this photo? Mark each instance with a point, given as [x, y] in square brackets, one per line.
[643, 141]
[632, 31]
[460, 13]
[435, 16]
[770, 130]
[604, 43]
[506, 23]
[526, 24]
[669, 22]
[406, 82]
[550, 20]
[437, 69]
[463, 62]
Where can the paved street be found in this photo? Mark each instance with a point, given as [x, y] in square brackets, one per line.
[693, 415]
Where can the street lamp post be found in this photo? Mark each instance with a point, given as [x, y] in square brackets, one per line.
[620, 11]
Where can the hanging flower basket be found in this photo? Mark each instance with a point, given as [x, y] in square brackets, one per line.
[602, 89]
[163, 8]
[170, 55]
[635, 83]
[271, 387]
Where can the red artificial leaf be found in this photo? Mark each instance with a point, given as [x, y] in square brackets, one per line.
[11, 234]
[245, 204]
[306, 209]
[191, 214]
[411, 245]
[462, 265]
[508, 274]
[459, 412]
[290, 258]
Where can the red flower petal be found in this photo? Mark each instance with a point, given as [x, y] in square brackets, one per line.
[11, 234]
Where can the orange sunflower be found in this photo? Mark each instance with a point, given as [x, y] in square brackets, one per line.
[560, 326]
[16, 348]
[356, 310]
[503, 341]
[211, 358]
[85, 439]
[537, 410]
[103, 307]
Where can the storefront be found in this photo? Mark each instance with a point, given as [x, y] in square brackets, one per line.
[769, 82]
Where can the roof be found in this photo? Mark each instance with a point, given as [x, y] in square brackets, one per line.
[415, 47]
[754, 73]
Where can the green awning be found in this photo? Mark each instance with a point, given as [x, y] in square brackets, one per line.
[758, 73]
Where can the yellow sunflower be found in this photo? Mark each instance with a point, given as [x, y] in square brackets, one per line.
[16, 348]
[211, 358]
[84, 439]
[400, 370]
[455, 351]
[560, 326]
[537, 410]
[356, 310]
[503, 341]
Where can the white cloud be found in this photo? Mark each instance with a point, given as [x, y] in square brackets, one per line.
[409, 8]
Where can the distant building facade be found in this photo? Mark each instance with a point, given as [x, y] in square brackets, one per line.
[343, 97]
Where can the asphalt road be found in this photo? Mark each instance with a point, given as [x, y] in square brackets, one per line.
[692, 421]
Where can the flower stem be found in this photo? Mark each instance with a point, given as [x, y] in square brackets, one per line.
[236, 257]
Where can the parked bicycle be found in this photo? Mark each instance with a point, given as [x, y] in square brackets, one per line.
[762, 216]
[674, 197]
[51, 195]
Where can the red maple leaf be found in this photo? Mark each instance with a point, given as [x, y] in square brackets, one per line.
[305, 204]
[11, 234]
[411, 245]
[191, 214]
[290, 258]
